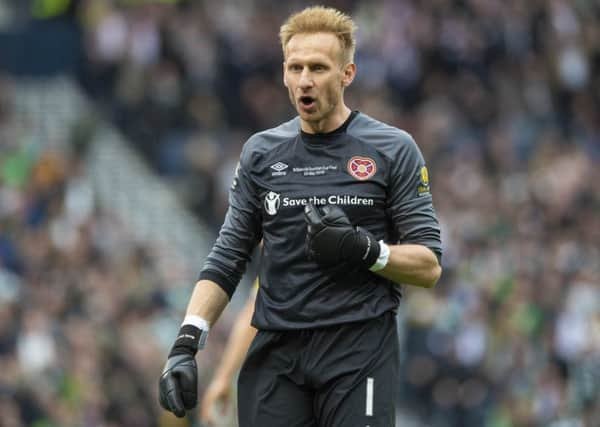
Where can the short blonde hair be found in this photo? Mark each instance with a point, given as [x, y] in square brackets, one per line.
[321, 19]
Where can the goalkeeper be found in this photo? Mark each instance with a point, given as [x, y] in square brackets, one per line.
[343, 206]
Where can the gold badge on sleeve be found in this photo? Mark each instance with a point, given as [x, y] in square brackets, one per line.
[423, 187]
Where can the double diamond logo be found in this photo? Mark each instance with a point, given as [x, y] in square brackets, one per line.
[279, 166]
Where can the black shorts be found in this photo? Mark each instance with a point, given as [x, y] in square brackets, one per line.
[342, 376]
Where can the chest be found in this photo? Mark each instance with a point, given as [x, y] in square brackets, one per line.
[344, 174]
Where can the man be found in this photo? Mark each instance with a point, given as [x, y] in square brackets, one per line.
[342, 204]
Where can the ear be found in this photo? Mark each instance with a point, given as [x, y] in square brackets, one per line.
[284, 79]
[349, 74]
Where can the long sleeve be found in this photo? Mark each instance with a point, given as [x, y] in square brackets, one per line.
[410, 204]
[240, 232]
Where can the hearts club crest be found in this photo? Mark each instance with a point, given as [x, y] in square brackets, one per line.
[361, 168]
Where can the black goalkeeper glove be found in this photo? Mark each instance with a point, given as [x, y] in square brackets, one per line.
[332, 239]
[178, 385]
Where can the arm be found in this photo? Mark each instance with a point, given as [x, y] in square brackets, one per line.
[219, 390]
[238, 343]
[178, 383]
[332, 240]
[414, 258]
[413, 265]
[222, 270]
[207, 301]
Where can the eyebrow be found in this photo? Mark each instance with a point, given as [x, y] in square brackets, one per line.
[309, 61]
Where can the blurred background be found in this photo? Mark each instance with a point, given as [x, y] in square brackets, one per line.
[121, 122]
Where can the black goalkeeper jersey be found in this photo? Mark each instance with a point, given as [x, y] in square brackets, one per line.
[373, 171]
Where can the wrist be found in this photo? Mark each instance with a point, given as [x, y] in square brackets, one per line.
[382, 259]
[191, 337]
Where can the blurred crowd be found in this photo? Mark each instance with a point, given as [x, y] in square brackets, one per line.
[74, 289]
[87, 313]
[503, 98]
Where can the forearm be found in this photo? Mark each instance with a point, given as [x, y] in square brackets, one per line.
[178, 384]
[238, 343]
[413, 265]
[207, 301]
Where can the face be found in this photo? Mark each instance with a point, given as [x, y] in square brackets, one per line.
[315, 77]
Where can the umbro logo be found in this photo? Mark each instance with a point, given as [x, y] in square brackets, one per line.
[279, 168]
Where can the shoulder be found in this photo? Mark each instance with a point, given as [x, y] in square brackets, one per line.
[268, 139]
[389, 140]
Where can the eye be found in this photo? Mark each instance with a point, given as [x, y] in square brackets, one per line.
[318, 67]
[295, 67]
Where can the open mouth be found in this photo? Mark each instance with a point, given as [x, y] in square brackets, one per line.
[307, 102]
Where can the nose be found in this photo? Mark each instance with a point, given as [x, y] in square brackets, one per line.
[306, 80]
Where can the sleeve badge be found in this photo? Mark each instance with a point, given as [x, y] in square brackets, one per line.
[423, 186]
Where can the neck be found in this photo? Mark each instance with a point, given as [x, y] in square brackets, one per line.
[329, 123]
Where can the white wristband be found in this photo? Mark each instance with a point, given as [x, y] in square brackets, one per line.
[384, 256]
[199, 323]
